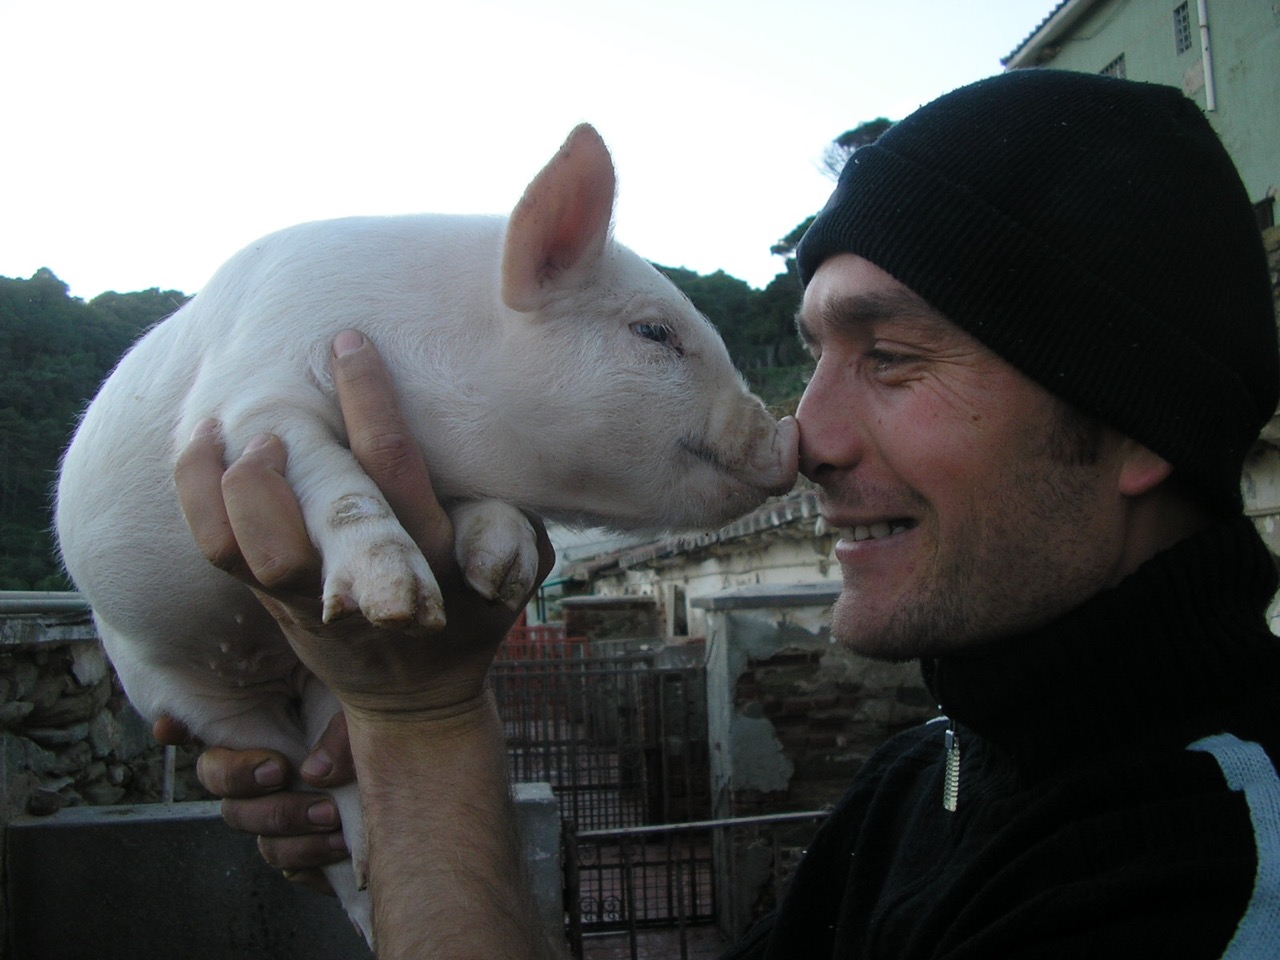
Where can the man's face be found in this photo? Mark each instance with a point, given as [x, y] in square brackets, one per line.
[966, 509]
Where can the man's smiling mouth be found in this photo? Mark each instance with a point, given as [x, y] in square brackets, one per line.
[881, 530]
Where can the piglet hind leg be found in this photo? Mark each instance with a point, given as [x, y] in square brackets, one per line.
[350, 881]
[290, 725]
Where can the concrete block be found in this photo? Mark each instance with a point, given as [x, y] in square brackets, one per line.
[173, 880]
[158, 880]
[539, 815]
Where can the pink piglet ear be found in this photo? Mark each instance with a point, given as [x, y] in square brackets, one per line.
[561, 223]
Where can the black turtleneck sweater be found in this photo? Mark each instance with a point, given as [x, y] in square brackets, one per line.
[1116, 790]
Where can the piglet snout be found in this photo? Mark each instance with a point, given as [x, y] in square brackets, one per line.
[778, 462]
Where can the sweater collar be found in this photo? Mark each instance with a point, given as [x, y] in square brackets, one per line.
[1186, 628]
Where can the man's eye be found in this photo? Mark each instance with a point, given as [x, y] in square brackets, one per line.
[893, 367]
[884, 359]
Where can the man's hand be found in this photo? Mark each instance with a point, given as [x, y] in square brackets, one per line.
[297, 831]
[247, 521]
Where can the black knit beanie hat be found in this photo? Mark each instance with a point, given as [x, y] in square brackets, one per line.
[1095, 234]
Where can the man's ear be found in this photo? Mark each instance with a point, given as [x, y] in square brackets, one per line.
[1141, 469]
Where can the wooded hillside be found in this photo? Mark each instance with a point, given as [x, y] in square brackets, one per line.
[55, 350]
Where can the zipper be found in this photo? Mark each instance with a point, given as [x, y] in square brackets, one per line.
[951, 776]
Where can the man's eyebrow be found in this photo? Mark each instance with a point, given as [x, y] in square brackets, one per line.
[848, 313]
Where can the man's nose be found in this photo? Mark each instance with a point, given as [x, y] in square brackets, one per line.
[830, 432]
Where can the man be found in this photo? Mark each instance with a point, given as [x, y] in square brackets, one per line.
[1044, 343]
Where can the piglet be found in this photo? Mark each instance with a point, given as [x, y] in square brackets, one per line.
[544, 367]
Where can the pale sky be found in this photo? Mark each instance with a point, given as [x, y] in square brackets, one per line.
[145, 141]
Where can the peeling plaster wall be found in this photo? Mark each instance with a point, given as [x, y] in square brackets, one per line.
[792, 715]
[1261, 483]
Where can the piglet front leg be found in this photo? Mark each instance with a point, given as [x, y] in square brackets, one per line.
[370, 564]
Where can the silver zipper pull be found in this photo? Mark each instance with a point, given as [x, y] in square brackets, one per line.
[951, 777]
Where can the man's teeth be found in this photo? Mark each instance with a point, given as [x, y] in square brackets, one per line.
[877, 531]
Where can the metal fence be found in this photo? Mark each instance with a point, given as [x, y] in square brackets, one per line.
[621, 740]
[621, 736]
[729, 872]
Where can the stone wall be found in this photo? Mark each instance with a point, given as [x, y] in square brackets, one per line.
[68, 736]
[610, 618]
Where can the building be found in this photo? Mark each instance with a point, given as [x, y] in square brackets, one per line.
[782, 543]
[1225, 54]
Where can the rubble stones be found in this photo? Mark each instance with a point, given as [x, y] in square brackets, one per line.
[68, 735]
[14, 712]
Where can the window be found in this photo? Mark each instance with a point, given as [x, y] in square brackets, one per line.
[1264, 211]
[1182, 29]
[1115, 68]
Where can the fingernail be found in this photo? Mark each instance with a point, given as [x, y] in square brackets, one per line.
[317, 766]
[205, 428]
[268, 774]
[256, 443]
[322, 813]
[348, 341]
[338, 842]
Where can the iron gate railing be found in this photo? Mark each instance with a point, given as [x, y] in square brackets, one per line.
[680, 876]
[622, 741]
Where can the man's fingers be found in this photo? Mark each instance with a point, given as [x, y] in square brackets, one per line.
[303, 852]
[292, 813]
[249, 502]
[199, 477]
[385, 445]
[170, 732]
[241, 773]
[314, 879]
[330, 764]
[266, 520]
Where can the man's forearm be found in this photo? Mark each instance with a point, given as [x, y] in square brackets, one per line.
[445, 859]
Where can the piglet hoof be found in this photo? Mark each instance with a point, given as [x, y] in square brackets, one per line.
[360, 865]
[497, 549]
[390, 584]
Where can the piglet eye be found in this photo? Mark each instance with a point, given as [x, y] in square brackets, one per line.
[657, 332]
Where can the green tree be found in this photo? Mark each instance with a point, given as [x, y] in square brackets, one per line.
[834, 158]
[786, 247]
[723, 299]
[839, 150]
[55, 350]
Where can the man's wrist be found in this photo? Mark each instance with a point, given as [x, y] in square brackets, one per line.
[372, 716]
[423, 734]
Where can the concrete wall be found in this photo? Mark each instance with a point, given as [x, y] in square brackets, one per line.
[68, 736]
